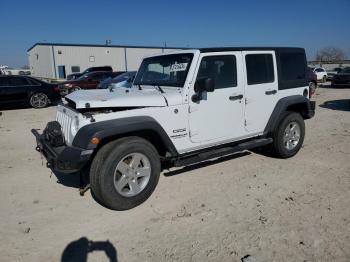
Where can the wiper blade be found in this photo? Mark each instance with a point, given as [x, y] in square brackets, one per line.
[158, 87]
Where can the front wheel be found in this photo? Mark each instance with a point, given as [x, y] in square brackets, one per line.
[125, 172]
[39, 100]
[289, 136]
[324, 79]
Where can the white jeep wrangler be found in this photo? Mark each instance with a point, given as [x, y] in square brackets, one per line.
[184, 107]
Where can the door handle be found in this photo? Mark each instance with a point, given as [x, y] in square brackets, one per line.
[237, 97]
[270, 92]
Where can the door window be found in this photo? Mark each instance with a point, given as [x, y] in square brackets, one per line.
[97, 77]
[222, 69]
[259, 68]
[18, 81]
[4, 81]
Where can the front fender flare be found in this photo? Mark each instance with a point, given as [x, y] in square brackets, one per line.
[110, 128]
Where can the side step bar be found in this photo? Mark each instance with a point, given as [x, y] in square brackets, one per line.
[222, 152]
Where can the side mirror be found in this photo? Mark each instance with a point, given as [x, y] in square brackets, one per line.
[205, 84]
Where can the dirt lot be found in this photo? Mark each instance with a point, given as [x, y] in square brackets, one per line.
[271, 209]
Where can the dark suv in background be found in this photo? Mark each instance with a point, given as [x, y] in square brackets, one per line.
[342, 79]
[89, 70]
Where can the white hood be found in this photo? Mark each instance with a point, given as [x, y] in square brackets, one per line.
[126, 97]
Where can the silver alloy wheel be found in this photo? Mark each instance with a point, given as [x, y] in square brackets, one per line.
[291, 135]
[39, 100]
[132, 174]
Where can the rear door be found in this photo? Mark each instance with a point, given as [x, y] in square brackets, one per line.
[261, 92]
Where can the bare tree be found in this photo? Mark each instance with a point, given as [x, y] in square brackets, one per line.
[330, 54]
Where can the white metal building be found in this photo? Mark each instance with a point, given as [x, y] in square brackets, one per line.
[51, 60]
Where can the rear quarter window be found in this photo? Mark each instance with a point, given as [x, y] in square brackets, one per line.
[293, 66]
[292, 69]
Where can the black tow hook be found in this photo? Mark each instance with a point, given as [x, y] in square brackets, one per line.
[83, 189]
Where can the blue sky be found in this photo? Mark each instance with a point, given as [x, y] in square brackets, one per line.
[310, 24]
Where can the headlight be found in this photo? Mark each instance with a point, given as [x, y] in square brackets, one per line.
[68, 85]
[75, 125]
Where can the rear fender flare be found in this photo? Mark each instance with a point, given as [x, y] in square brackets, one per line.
[282, 107]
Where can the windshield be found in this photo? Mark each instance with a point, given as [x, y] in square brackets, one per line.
[83, 77]
[165, 70]
[123, 77]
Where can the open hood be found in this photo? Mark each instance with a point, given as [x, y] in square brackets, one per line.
[125, 97]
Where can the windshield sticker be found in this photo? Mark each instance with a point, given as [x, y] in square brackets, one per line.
[178, 67]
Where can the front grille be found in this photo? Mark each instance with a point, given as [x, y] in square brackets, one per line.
[65, 121]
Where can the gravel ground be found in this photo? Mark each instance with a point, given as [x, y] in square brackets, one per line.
[248, 206]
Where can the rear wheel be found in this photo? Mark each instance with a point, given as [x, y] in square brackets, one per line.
[289, 136]
[125, 172]
[312, 88]
[39, 100]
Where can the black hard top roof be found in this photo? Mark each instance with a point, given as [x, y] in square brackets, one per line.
[265, 48]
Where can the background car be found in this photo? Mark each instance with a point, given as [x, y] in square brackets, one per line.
[123, 80]
[334, 71]
[312, 81]
[23, 90]
[342, 79]
[321, 74]
[89, 70]
[87, 81]
[107, 81]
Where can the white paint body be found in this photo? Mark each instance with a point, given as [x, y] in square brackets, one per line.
[212, 121]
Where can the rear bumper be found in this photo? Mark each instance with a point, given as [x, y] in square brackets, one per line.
[64, 159]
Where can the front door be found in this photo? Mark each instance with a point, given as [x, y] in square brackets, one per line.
[16, 89]
[261, 92]
[218, 115]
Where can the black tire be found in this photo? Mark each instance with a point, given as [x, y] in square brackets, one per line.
[39, 100]
[324, 79]
[279, 148]
[104, 165]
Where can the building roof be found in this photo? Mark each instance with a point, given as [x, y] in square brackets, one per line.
[90, 45]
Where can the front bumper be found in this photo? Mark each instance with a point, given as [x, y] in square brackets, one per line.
[64, 159]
